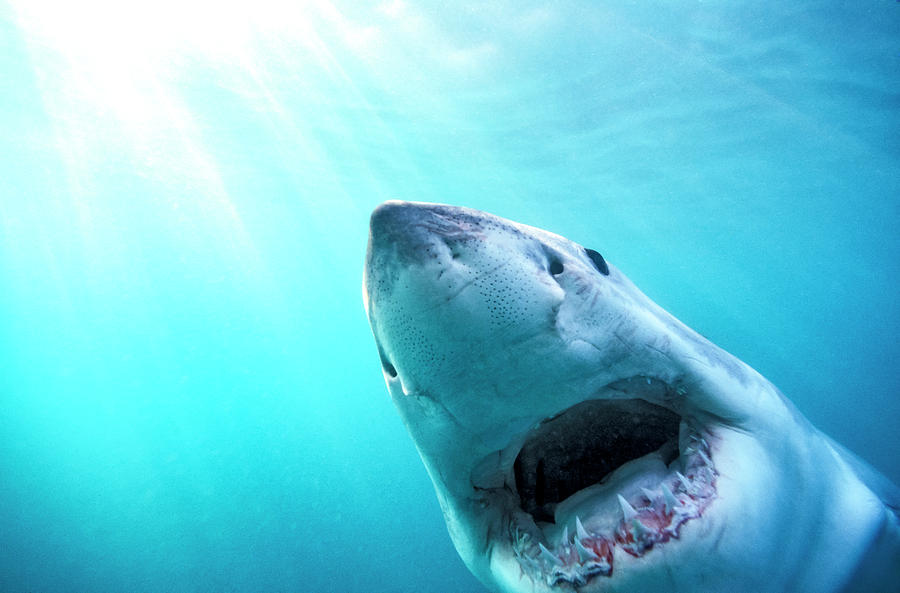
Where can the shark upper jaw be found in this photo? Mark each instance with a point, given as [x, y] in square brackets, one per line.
[602, 482]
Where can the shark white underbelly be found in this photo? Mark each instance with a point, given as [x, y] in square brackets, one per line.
[580, 438]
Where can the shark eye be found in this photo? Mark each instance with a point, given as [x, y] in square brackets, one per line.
[598, 261]
[556, 267]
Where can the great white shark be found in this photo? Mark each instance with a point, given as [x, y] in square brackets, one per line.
[580, 438]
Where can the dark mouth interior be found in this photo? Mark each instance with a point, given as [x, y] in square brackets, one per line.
[584, 444]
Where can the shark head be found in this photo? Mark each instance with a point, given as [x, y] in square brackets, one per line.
[578, 436]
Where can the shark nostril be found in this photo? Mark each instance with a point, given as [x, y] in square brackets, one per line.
[386, 364]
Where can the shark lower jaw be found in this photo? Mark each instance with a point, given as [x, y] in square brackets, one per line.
[601, 479]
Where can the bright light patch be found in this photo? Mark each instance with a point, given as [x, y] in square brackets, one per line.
[158, 90]
[116, 81]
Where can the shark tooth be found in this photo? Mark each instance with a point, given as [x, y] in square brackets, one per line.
[580, 531]
[584, 554]
[669, 498]
[548, 556]
[627, 510]
[650, 494]
[684, 481]
[639, 529]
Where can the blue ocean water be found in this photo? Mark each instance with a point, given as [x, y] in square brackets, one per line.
[190, 398]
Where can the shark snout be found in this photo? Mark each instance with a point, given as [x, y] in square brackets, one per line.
[398, 219]
[391, 217]
[417, 233]
[407, 230]
[389, 228]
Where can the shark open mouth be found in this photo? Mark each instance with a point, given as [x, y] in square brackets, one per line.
[602, 475]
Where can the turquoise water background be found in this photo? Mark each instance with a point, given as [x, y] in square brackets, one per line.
[190, 398]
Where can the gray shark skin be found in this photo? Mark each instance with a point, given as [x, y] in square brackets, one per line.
[580, 438]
